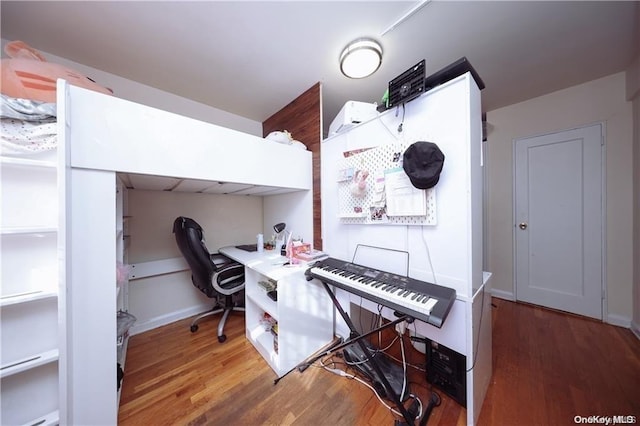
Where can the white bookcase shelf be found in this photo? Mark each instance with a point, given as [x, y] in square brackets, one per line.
[14, 299]
[28, 363]
[27, 162]
[50, 419]
[34, 231]
[29, 292]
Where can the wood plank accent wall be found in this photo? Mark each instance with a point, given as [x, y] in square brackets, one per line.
[302, 118]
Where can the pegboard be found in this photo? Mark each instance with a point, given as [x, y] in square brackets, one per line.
[384, 165]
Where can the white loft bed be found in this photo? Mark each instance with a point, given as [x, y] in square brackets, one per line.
[107, 133]
[100, 137]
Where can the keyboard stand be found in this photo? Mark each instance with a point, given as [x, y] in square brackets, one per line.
[356, 337]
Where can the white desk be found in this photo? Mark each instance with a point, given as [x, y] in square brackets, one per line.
[303, 311]
[269, 262]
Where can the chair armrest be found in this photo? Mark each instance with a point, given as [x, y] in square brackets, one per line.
[229, 279]
[220, 260]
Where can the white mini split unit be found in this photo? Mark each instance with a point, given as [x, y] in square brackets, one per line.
[351, 114]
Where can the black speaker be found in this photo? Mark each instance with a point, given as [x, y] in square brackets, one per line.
[451, 71]
[408, 85]
[446, 369]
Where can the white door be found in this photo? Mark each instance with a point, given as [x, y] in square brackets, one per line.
[559, 220]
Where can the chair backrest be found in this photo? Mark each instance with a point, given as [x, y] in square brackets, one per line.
[190, 240]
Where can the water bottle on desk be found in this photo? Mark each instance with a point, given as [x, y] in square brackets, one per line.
[260, 243]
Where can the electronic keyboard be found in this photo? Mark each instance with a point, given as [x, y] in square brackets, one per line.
[421, 300]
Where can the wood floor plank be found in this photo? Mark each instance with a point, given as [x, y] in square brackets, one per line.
[548, 368]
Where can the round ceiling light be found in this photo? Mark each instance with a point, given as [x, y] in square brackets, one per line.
[361, 58]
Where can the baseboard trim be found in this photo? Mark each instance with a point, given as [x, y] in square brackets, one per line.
[502, 294]
[156, 322]
[618, 320]
[613, 319]
[635, 329]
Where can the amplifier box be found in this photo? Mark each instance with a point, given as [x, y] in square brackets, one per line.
[408, 85]
[446, 369]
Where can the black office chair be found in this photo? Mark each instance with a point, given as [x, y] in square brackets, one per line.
[214, 274]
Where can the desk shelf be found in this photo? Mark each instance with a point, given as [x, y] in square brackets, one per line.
[262, 340]
[257, 305]
[258, 296]
[303, 311]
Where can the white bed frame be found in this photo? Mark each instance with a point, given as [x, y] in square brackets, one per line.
[101, 136]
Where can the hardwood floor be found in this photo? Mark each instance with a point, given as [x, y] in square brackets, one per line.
[548, 368]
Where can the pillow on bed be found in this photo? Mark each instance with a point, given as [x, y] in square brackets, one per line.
[28, 75]
[284, 137]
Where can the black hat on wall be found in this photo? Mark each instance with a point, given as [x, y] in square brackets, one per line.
[422, 162]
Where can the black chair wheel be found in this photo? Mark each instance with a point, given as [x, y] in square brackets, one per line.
[435, 398]
[194, 328]
[222, 338]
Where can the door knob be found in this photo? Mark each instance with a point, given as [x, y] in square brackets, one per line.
[523, 225]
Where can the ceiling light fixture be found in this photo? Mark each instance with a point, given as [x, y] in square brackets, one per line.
[361, 58]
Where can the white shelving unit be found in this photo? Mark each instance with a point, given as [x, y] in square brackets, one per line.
[122, 240]
[29, 292]
[258, 331]
[446, 251]
[303, 310]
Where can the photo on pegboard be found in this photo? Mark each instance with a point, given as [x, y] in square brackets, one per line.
[374, 189]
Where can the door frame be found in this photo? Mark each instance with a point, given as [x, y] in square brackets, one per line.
[603, 208]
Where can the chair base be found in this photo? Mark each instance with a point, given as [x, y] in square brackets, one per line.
[214, 311]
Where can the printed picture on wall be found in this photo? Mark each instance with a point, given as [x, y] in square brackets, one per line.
[378, 214]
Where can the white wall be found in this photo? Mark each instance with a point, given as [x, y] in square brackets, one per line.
[633, 94]
[225, 219]
[601, 100]
[295, 209]
[636, 216]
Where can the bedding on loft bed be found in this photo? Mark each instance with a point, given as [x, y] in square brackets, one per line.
[29, 127]
[26, 126]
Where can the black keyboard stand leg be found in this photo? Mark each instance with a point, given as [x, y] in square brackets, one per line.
[343, 344]
[357, 337]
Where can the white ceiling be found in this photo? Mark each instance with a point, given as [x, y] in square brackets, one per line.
[252, 58]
